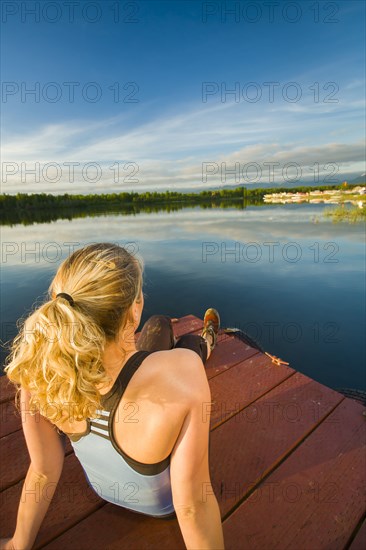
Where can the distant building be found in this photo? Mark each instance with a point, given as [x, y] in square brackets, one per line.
[360, 190]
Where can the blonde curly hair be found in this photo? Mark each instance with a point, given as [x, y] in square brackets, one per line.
[57, 354]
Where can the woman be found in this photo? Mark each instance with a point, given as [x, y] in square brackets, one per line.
[132, 414]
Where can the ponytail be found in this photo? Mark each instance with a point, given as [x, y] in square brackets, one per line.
[57, 354]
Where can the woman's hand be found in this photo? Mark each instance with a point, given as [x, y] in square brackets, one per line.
[7, 544]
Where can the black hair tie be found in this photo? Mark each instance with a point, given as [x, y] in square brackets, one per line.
[66, 296]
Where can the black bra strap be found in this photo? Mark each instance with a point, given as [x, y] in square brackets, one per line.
[123, 379]
[129, 370]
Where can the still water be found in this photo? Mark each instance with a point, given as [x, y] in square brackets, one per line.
[288, 277]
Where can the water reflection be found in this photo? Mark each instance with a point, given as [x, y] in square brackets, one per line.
[290, 278]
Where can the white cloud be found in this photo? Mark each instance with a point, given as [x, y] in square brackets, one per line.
[170, 149]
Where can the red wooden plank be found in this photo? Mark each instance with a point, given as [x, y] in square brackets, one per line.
[359, 542]
[236, 388]
[7, 389]
[113, 527]
[186, 325]
[316, 497]
[247, 446]
[228, 352]
[15, 458]
[10, 418]
[73, 500]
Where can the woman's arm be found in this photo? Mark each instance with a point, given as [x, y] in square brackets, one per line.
[47, 452]
[194, 500]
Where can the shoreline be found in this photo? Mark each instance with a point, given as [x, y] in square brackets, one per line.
[356, 196]
[27, 209]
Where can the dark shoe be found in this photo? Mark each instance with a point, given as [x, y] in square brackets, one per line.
[211, 325]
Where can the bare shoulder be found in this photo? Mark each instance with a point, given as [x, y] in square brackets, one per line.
[180, 368]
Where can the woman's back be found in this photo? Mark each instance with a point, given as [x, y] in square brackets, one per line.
[151, 412]
[149, 401]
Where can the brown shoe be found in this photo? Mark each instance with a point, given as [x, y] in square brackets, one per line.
[211, 325]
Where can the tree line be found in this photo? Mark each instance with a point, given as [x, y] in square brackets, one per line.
[47, 200]
[44, 207]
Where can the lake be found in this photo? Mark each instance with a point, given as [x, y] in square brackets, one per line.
[288, 277]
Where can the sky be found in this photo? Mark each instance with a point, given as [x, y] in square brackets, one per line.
[112, 96]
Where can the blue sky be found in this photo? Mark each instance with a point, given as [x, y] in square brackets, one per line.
[176, 59]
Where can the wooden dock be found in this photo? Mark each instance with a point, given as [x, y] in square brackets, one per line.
[287, 461]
